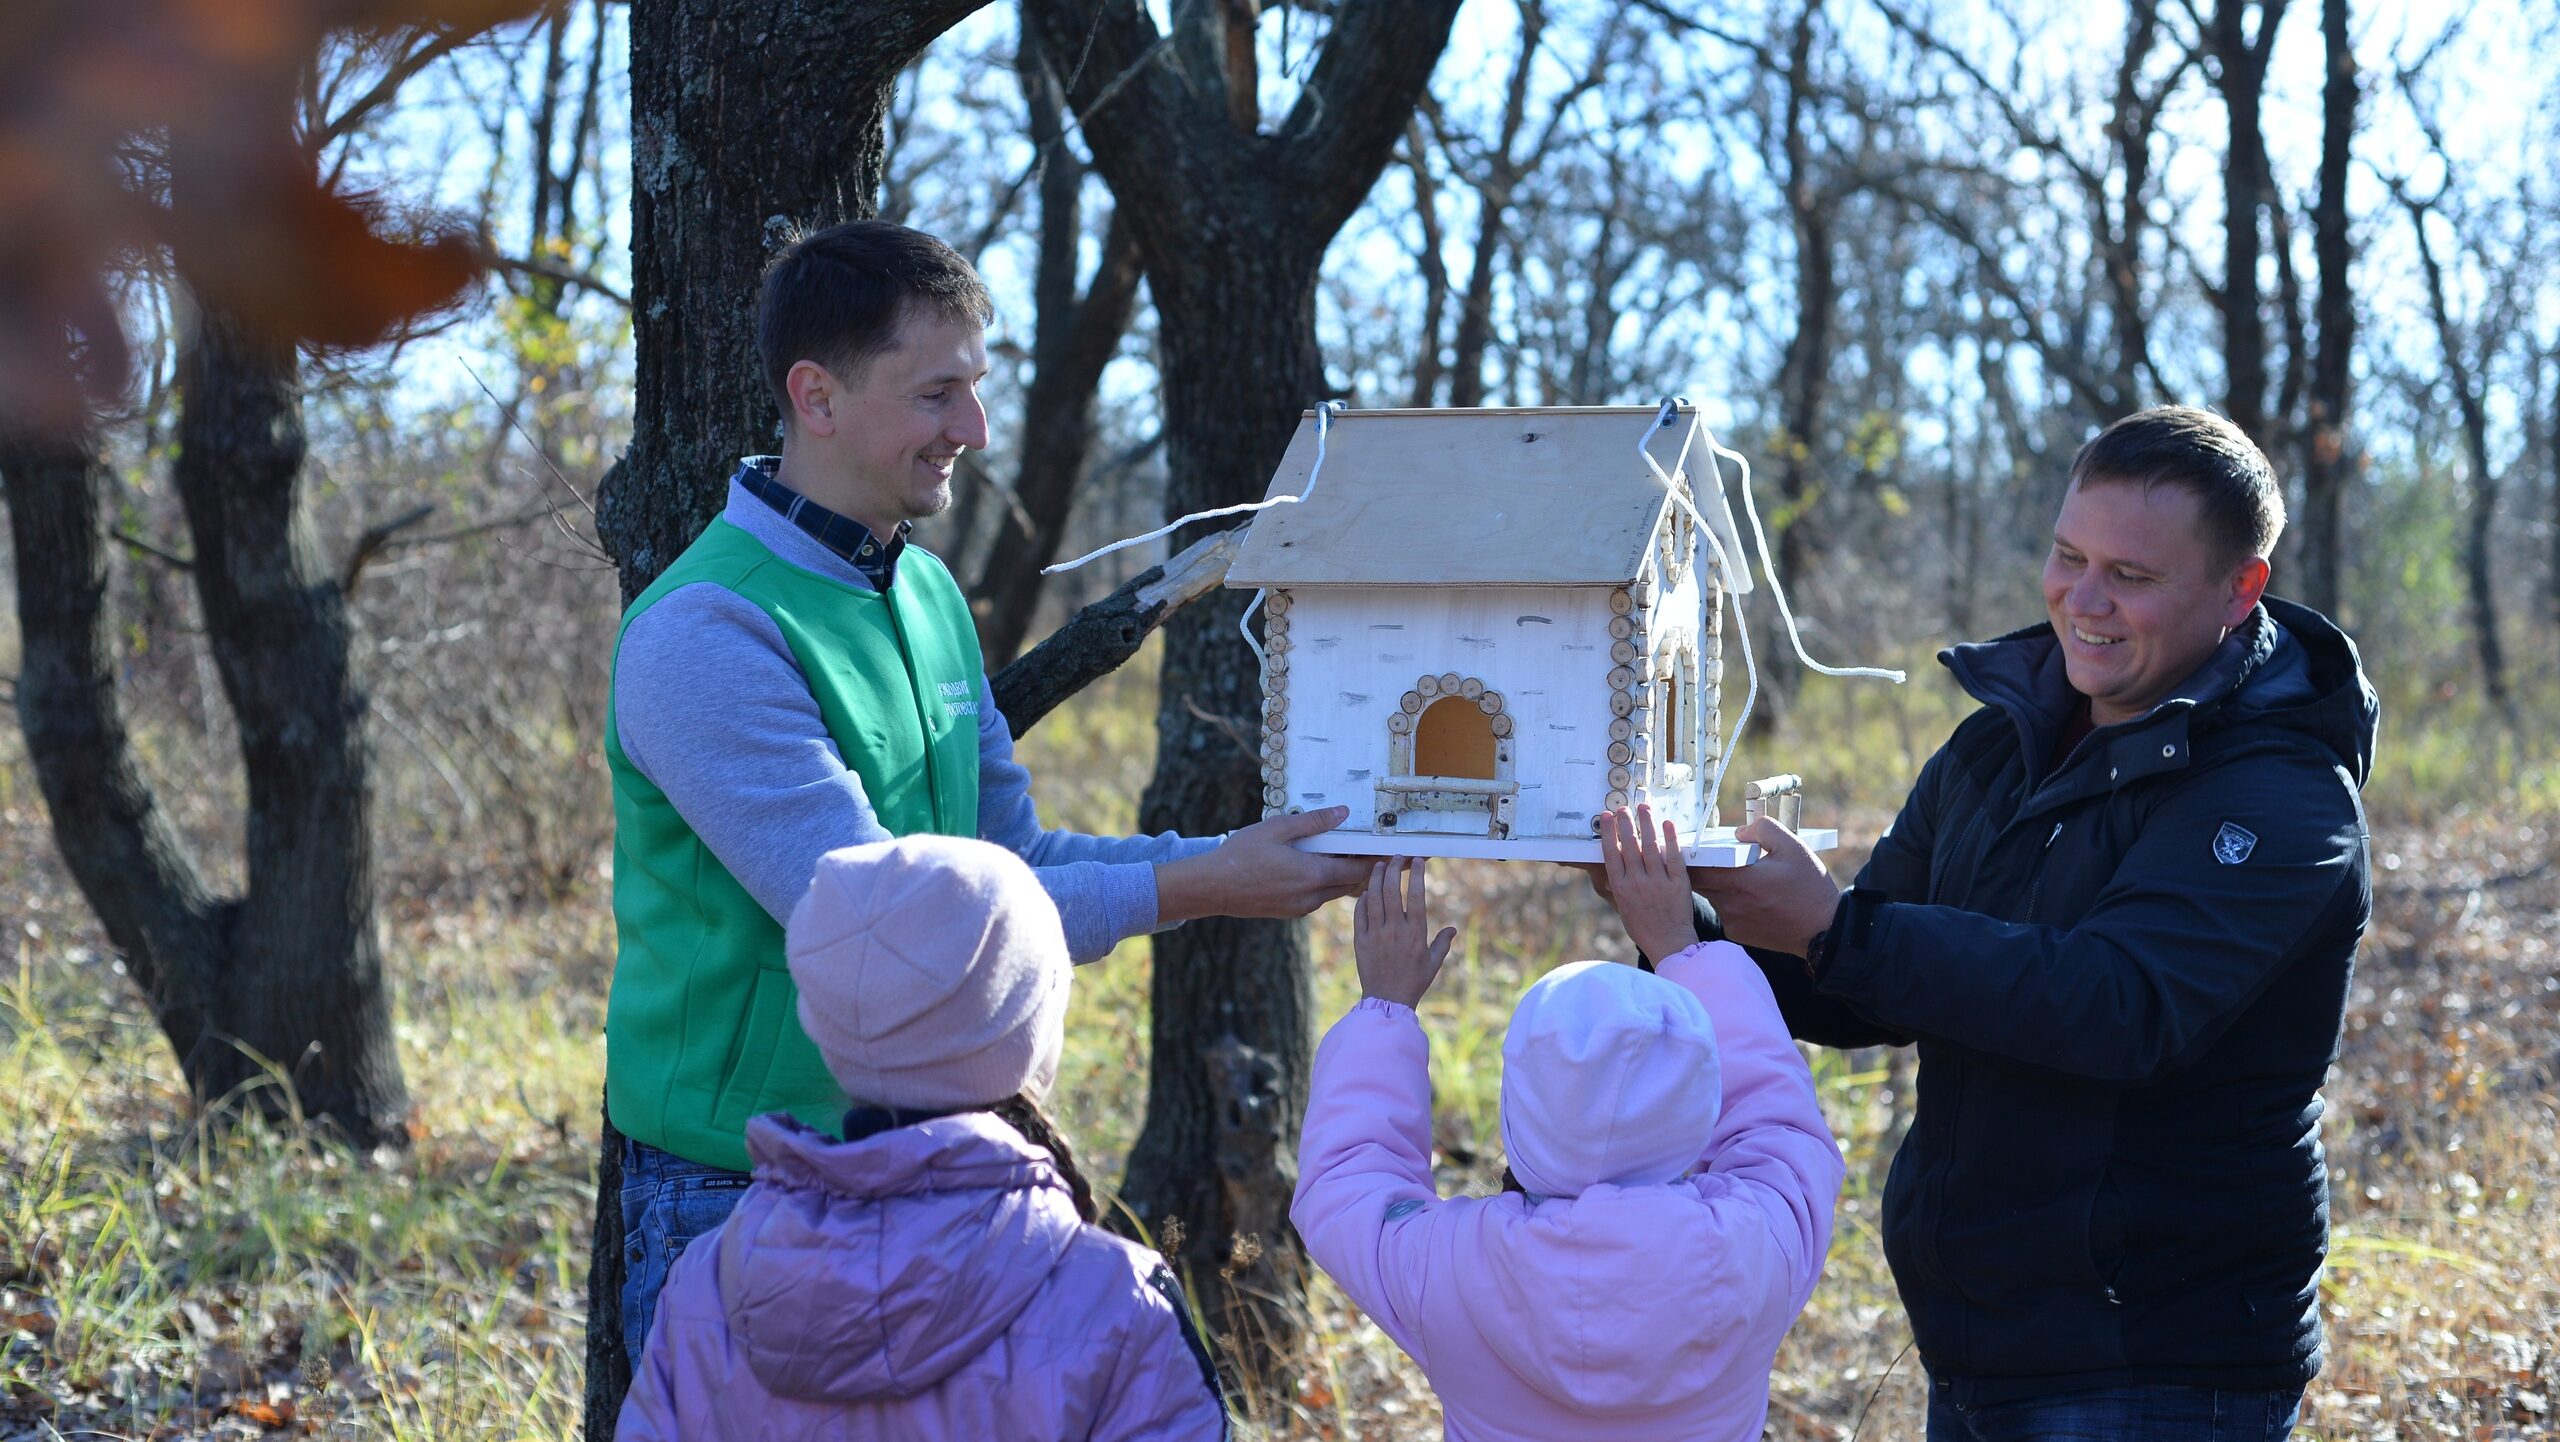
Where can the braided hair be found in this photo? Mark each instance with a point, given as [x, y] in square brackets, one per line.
[1022, 1112]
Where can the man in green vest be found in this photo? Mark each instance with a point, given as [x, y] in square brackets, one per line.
[801, 680]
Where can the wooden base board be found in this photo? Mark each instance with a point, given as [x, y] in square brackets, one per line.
[1715, 848]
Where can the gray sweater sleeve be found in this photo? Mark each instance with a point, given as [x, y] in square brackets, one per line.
[711, 706]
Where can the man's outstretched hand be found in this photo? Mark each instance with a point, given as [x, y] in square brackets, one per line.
[1256, 871]
[1780, 902]
[1388, 934]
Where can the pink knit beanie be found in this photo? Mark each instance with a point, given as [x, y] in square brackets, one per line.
[933, 973]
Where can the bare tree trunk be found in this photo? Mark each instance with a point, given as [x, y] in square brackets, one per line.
[2478, 571]
[2121, 237]
[1232, 227]
[305, 986]
[1804, 378]
[2328, 447]
[121, 848]
[1433, 266]
[2241, 63]
[1073, 340]
[1493, 214]
[284, 981]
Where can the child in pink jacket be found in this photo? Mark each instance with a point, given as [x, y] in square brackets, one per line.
[935, 1275]
[1676, 1178]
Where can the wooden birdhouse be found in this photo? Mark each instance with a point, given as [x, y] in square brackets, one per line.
[1484, 628]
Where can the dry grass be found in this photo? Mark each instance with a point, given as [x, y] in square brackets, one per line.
[161, 1279]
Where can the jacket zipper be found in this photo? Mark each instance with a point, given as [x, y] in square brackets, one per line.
[2037, 889]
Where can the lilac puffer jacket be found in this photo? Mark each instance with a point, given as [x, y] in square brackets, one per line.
[931, 1281]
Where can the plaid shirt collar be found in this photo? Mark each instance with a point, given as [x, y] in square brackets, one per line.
[849, 539]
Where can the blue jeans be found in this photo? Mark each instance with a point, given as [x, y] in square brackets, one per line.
[666, 1203]
[2116, 1414]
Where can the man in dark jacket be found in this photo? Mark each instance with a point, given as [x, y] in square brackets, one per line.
[2117, 916]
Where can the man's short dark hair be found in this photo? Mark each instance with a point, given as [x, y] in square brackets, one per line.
[2200, 452]
[837, 296]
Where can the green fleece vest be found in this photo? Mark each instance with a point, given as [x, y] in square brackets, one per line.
[702, 1030]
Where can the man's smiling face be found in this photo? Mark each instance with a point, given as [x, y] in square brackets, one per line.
[2137, 594]
[907, 417]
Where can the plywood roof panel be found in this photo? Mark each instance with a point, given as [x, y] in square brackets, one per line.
[1512, 497]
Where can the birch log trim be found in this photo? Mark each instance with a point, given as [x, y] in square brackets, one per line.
[1621, 627]
[1620, 603]
[1427, 686]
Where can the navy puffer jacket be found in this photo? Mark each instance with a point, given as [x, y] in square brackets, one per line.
[2126, 980]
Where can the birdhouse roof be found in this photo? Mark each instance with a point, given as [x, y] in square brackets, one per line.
[1499, 497]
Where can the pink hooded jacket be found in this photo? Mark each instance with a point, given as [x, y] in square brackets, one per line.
[931, 1282]
[1624, 1312]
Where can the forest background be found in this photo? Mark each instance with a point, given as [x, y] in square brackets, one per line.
[1906, 254]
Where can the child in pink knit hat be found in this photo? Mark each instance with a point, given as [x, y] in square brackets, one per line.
[1673, 1178]
[935, 1274]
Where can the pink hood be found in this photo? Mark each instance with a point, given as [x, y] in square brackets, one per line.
[929, 1282]
[958, 1223]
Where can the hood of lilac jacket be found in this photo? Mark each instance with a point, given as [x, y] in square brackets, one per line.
[929, 1281]
[1623, 1312]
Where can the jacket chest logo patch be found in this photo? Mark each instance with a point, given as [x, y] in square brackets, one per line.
[959, 698]
[2233, 843]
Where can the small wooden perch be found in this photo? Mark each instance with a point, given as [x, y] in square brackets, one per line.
[1102, 636]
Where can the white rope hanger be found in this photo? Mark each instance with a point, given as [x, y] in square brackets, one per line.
[1768, 567]
[1324, 415]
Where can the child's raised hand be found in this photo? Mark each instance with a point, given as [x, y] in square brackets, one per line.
[1648, 881]
[1387, 935]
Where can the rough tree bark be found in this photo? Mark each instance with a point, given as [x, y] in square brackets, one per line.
[2240, 73]
[2328, 456]
[285, 979]
[1072, 341]
[1232, 223]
